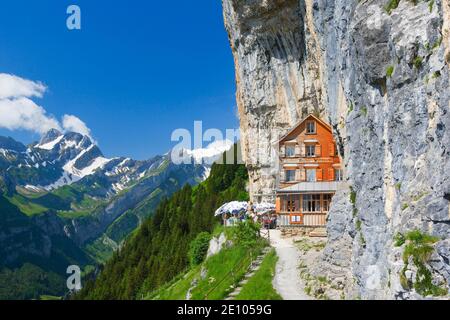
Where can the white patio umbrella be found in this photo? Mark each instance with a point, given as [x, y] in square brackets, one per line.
[263, 208]
[232, 207]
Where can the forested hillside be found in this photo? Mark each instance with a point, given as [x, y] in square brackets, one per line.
[158, 251]
[63, 203]
[32, 261]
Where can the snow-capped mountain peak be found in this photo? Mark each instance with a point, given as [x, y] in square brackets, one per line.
[50, 136]
[50, 144]
[60, 159]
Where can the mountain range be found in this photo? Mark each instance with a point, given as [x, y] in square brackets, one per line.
[63, 202]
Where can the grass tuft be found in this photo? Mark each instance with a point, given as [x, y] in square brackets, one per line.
[364, 110]
[399, 239]
[391, 5]
[389, 71]
[417, 62]
[419, 248]
[259, 286]
[430, 5]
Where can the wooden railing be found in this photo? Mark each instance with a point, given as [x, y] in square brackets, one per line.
[231, 273]
[308, 220]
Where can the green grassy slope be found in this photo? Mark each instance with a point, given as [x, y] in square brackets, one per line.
[29, 269]
[218, 281]
[157, 253]
[259, 286]
[217, 276]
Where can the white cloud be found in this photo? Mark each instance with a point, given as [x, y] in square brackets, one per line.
[18, 111]
[206, 155]
[75, 124]
[14, 87]
[22, 113]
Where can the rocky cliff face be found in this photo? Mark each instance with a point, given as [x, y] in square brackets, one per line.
[278, 82]
[378, 72]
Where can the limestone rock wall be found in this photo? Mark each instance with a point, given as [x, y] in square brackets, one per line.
[278, 81]
[380, 76]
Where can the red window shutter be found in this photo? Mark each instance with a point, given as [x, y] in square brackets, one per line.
[331, 174]
[319, 174]
[318, 153]
[332, 151]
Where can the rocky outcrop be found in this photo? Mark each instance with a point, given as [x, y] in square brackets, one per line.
[378, 72]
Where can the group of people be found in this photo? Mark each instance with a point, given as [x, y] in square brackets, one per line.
[237, 211]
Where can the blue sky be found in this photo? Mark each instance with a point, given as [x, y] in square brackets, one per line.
[135, 72]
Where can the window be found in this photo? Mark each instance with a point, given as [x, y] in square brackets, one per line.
[311, 175]
[311, 203]
[290, 203]
[326, 202]
[290, 175]
[290, 151]
[297, 219]
[338, 175]
[310, 127]
[310, 150]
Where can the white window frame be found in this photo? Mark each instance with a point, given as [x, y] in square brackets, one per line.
[311, 203]
[289, 147]
[338, 175]
[308, 149]
[313, 123]
[326, 202]
[286, 175]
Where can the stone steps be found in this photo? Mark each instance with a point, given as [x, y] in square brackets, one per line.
[254, 266]
[319, 232]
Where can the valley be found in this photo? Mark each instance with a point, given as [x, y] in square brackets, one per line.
[62, 202]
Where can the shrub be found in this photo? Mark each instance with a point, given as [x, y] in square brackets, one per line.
[246, 233]
[417, 237]
[362, 240]
[391, 5]
[389, 71]
[419, 248]
[364, 110]
[353, 201]
[436, 74]
[417, 62]
[198, 248]
[430, 5]
[352, 195]
[399, 239]
[437, 43]
[358, 225]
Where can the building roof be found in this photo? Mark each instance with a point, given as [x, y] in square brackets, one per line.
[324, 186]
[326, 125]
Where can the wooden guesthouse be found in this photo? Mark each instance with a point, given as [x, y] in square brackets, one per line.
[310, 173]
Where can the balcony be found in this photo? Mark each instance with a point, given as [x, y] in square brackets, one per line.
[312, 187]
